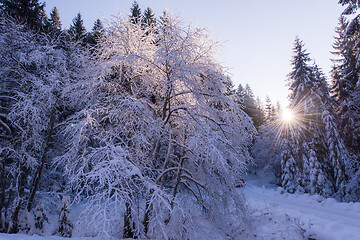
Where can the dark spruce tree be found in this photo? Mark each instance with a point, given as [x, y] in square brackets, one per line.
[246, 101]
[96, 33]
[269, 109]
[135, 13]
[303, 138]
[149, 19]
[351, 6]
[346, 87]
[344, 80]
[29, 12]
[77, 30]
[53, 25]
[252, 108]
[316, 146]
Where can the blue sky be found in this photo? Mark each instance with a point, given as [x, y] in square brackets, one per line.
[257, 36]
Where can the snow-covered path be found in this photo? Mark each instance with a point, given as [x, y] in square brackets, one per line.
[323, 219]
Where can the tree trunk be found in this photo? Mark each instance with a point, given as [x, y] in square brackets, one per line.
[128, 231]
[2, 196]
[7, 203]
[147, 213]
[177, 182]
[36, 180]
[21, 187]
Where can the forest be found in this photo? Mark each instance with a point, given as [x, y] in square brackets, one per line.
[136, 129]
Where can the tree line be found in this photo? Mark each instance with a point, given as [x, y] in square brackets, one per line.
[318, 151]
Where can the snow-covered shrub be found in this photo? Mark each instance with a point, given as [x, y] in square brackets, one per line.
[40, 217]
[65, 225]
[26, 222]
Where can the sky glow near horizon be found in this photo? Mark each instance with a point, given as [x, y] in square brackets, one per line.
[257, 36]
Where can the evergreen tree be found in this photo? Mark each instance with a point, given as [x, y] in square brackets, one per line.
[269, 109]
[149, 19]
[278, 109]
[29, 12]
[40, 217]
[345, 85]
[240, 96]
[309, 157]
[321, 154]
[54, 23]
[96, 33]
[65, 225]
[77, 29]
[352, 6]
[135, 13]
[344, 80]
[289, 166]
[251, 105]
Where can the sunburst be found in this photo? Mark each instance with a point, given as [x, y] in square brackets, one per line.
[293, 123]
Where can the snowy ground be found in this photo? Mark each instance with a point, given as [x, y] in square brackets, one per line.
[36, 237]
[280, 215]
[313, 216]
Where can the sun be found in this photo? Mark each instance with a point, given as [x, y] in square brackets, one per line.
[287, 115]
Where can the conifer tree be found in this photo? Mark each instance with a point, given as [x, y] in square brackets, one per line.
[96, 33]
[278, 109]
[240, 96]
[149, 19]
[321, 154]
[268, 109]
[29, 12]
[344, 80]
[40, 217]
[289, 165]
[345, 87]
[352, 6]
[135, 13]
[77, 29]
[306, 137]
[65, 225]
[54, 23]
[252, 106]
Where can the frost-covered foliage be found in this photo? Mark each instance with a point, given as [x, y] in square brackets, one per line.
[40, 217]
[65, 225]
[345, 92]
[351, 6]
[314, 156]
[159, 145]
[35, 74]
[267, 152]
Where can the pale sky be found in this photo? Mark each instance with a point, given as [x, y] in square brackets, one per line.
[257, 36]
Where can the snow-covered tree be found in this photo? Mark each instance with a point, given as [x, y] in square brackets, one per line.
[65, 225]
[289, 166]
[352, 6]
[149, 19]
[345, 95]
[321, 155]
[96, 33]
[40, 217]
[246, 101]
[158, 135]
[35, 74]
[344, 80]
[135, 13]
[28, 12]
